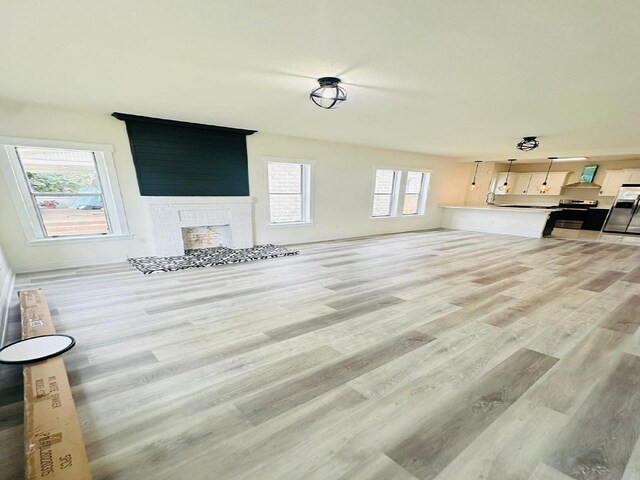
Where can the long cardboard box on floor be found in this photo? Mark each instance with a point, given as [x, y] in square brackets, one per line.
[54, 447]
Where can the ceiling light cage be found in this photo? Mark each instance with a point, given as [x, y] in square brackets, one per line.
[329, 94]
[528, 143]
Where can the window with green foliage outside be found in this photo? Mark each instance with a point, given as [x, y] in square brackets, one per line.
[65, 189]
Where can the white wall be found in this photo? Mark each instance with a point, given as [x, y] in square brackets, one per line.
[6, 284]
[17, 120]
[342, 186]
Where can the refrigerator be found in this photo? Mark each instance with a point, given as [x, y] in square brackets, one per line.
[624, 216]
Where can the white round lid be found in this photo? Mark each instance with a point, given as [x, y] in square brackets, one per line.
[36, 349]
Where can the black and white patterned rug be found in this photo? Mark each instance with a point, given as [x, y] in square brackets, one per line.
[209, 257]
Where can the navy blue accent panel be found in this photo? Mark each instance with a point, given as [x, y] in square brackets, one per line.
[186, 159]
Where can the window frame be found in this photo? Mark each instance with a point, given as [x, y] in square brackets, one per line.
[20, 189]
[400, 187]
[305, 191]
[395, 191]
[422, 193]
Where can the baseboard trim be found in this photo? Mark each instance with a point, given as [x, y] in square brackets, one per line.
[55, 266]
[5, 303]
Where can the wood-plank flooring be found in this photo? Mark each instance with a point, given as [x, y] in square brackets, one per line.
[440, 355]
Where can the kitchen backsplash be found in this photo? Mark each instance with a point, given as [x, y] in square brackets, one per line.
[568, 193]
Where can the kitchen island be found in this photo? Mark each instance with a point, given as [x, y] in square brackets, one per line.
[523, 221]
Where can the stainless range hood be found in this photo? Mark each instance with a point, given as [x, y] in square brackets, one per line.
[582, 185]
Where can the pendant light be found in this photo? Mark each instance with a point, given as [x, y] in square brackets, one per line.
[506, 188]
[475, 174]
[329, 94]
[544, 188]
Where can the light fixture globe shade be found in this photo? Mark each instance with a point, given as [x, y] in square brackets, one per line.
[474, 187]
[505, 188]
[329, 94]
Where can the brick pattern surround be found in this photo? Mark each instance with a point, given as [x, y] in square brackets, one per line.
[195, 238]
[170, 214]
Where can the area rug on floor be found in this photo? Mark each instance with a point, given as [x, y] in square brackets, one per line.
[209, 257]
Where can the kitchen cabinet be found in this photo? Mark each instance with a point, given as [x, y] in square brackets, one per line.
[521, 184]
[528, 183]
[556, 181]
[614, 178]
[536, 181]
[634, 176]
[500, 181]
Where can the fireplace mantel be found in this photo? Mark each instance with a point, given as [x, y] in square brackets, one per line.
[170, 214]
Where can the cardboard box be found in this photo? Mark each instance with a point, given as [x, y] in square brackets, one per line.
[54, 447]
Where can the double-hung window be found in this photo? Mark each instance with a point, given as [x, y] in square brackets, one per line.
[63, 192]
[415, 193]
[289, 188]
[387, 199]
[385, 193]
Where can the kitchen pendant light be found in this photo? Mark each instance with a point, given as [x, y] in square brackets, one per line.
[528, 143]
[505, 187]
[544, 188]
[475, 174]
[329, 94]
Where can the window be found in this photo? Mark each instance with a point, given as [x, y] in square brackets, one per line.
[384, 193]
[65, 193]
[289, 200]
[415, 193]
[388, 184]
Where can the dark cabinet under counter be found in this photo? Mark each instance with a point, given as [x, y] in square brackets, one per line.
[595, 218]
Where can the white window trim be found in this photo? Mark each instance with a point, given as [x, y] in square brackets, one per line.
[422, 194]
[21, 195]
[307, 192]
[397, 203]
[395, 193]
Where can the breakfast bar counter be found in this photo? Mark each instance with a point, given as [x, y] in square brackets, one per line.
[523, 221]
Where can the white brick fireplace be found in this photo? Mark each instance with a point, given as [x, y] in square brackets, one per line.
[170, 214]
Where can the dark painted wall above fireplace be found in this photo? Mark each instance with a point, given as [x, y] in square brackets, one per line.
[175, 158]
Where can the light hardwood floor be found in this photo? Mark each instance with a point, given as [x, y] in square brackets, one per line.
[430, 355]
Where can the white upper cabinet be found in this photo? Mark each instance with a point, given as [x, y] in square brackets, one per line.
[634, 176]
[614, 178]
[556, 181]
[521, 184]
[516, 182]
[536, 182]
[500, 181]
[528, 183]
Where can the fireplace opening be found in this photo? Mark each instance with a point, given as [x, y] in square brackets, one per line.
[209, 236]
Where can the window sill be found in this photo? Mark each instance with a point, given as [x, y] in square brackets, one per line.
[88, 238]
[292, 224]
[398, 217]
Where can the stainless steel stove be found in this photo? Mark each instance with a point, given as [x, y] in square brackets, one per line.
[574, 213]
[578, 204]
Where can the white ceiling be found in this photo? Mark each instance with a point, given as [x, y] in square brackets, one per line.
[461, 78]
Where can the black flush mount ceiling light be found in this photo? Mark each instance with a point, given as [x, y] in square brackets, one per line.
[505, 187]
[544, 188]
[528, 143]
[329, 94]
[475, 174]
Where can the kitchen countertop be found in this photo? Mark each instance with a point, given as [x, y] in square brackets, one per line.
[496, 208]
